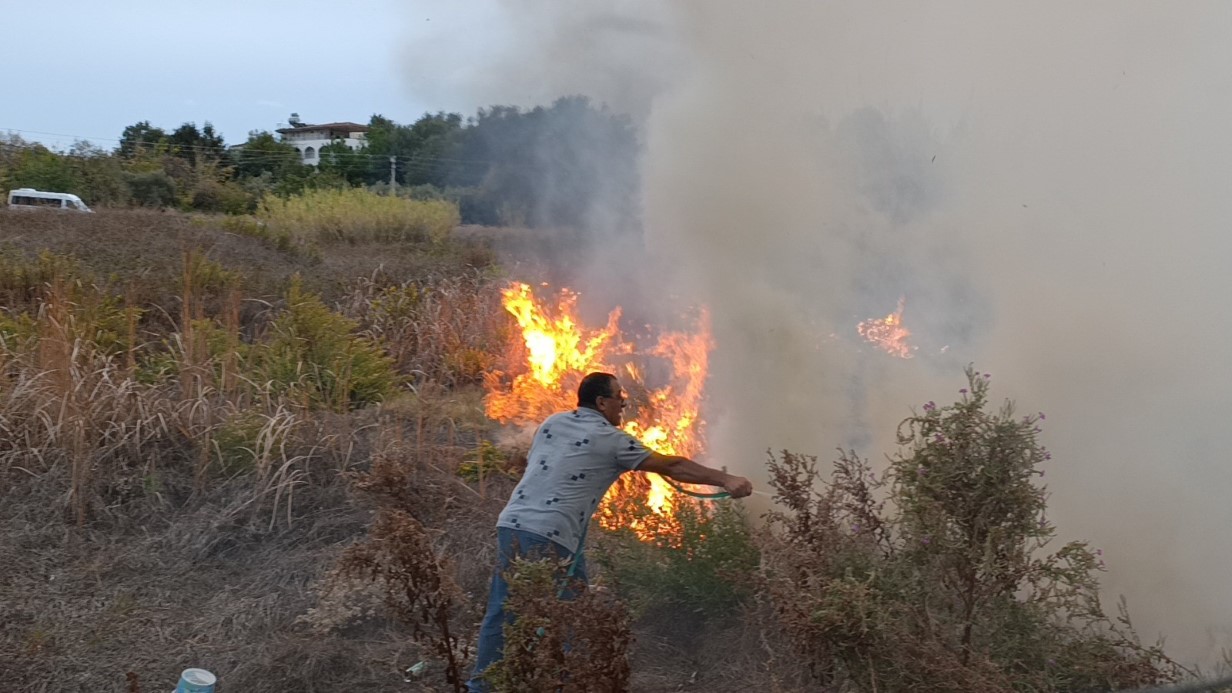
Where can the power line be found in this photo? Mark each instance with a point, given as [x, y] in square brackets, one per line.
[60, 134]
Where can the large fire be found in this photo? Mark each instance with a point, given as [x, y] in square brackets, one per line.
[664, 413]
[888, 333]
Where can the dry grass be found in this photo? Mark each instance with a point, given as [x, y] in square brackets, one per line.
[162, 508]
[354, 215]
[448, 330]
[223, 577]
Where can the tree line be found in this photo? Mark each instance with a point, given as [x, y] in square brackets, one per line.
[559, 165]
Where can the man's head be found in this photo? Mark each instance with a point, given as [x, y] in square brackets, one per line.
[601, 392]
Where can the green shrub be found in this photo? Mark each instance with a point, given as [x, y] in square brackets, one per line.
[221, 197]
[707, 567]
[488, 460]
[151, 189]
[314, 354]
[156, 366]
[17, 333]
[245, 225]
[24, 282]
[933, 577]
[236, 441]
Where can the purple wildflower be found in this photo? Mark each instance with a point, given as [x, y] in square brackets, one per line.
[855, 528]
[1041, 416]
[987, 376]
[1048, 455]
[962, 391]
[1099, 552]
[925, 541]
[929, 406]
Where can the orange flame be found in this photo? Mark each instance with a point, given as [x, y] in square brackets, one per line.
[888, 334]
[560, 350]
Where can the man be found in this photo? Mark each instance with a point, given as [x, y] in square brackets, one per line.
[574, 458]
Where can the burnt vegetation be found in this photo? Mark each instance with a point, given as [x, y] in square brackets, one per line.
[261, 451]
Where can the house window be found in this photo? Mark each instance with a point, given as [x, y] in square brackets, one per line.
[309, 153]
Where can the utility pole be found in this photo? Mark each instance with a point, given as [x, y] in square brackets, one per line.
[393, 167]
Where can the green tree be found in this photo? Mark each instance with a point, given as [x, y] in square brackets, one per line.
[338, 159]
[99, 175]
[433, 142]
[12, 147]
[425, 150]
[39, 167]
[385, 139]
[265, 153]
[570, 164]
[276, 164]
[141, 138]
[187, 142]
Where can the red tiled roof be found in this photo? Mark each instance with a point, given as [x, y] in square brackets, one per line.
[349, 127]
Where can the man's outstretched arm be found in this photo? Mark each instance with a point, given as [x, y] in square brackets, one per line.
[687, 471]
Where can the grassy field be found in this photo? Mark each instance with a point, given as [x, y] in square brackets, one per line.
[257, 445]
[181, 474]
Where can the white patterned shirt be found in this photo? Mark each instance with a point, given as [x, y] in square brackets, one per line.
[575, 457]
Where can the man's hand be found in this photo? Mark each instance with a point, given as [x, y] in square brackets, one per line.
[737, 486]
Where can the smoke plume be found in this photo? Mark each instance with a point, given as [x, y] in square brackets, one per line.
[1044, 183]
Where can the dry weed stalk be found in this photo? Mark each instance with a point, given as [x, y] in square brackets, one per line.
[578, 645]
[447, 330]
[69, 400]
[400, 554]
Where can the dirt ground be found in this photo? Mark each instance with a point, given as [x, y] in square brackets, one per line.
[203, 580]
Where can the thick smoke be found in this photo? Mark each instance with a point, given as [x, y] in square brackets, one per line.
[1043, 183]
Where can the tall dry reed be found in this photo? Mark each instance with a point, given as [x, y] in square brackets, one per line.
[356, 215]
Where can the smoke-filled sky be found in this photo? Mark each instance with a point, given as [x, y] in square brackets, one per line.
[1045, 183]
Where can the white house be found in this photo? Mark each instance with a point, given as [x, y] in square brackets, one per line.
[308, 139]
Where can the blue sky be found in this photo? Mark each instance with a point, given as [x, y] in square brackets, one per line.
[85, 69]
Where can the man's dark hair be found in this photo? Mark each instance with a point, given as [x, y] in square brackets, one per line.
[594, 386]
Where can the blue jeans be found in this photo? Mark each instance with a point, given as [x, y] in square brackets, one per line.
[510, 544]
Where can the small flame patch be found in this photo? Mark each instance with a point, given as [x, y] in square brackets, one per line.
[888, 333]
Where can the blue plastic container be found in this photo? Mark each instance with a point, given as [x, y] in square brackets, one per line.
[196, 681]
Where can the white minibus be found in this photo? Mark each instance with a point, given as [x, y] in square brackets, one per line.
[29, 198]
